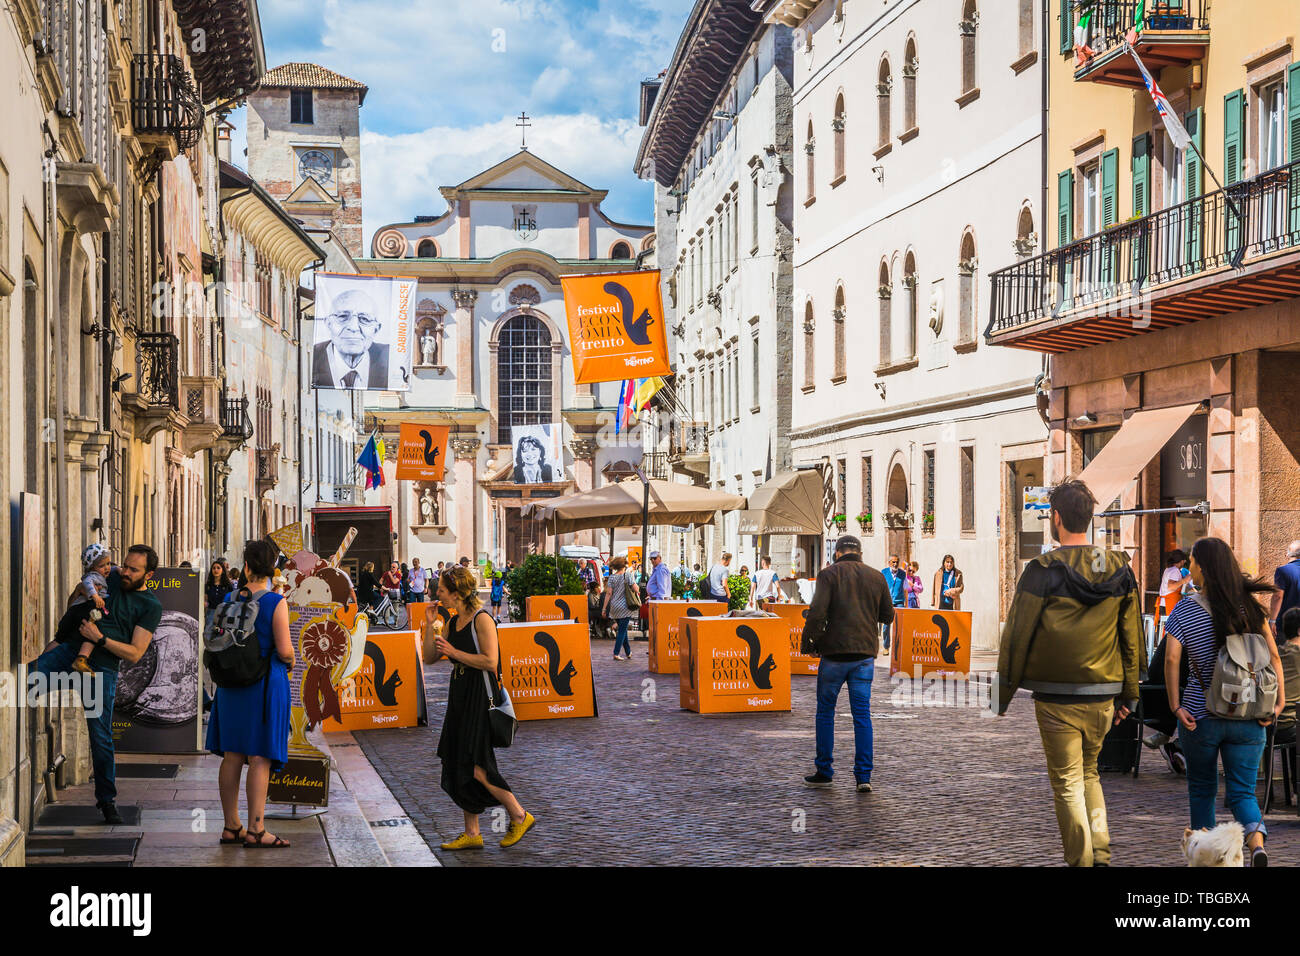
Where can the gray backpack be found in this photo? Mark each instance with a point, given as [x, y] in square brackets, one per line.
[1244, 685]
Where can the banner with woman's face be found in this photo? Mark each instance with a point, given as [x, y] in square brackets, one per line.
[538, 456]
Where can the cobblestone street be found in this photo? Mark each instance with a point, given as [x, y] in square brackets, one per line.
[647, 783]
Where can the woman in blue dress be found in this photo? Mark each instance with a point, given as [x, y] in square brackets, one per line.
[251, 724]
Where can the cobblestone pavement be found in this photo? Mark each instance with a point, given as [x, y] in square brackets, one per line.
[647, 783]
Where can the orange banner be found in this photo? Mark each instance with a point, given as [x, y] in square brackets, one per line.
[665, 623]
[387, 690]
[794, 615]
[733, 665]
[422, 452]
[929, 641]
[616, 326]
[546, 668]
[557, 607]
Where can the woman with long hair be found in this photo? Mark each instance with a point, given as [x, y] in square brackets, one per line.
[469, 767]
[617, 606]
[1227, 605]
[216, 587]
[250, 725]
[948, 585]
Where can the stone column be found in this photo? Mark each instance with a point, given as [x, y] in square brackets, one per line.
[466, 451]
[464, 300]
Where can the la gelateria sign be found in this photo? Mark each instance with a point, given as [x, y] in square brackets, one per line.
[616, 325]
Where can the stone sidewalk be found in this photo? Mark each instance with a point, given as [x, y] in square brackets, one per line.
[181, 818]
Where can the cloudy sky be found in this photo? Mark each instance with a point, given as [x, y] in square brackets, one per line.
[448, 79]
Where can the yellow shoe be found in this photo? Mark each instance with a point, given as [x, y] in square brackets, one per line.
[465, 842]
[517, 830]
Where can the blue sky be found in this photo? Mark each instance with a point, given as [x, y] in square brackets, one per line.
[448, 79]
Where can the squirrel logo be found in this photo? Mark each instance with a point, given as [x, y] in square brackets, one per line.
[761, 673]
[430, 453]
[948, 651]
[639, 330]
[561, 679]
[563, 605]
[694, 612]
[385, 689]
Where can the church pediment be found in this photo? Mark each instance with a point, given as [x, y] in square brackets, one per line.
[523, 173]
[311, 193]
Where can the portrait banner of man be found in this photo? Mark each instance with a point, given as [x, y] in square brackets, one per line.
[538, 458]
[364, 332]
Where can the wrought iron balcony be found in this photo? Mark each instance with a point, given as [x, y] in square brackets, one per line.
[1201, 258]
[1164, 33]
[164, 100]
[235, 423]
[157, 356]
[655, 465]
[268, 468]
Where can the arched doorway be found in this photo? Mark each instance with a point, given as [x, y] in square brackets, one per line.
[897, 524]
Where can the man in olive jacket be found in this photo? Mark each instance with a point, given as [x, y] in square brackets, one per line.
[849, 604]
[1074, 637]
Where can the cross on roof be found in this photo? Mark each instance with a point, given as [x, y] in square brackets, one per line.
[523, 124]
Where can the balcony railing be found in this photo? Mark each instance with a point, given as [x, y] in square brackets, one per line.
[655, 465]
[157, 359]
[235, 423]
[268, 468]
[164, 100]
[1164, 32]
[1118, 274]
[688, 438]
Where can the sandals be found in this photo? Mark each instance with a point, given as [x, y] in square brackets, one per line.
[259, 845]
[238, 834]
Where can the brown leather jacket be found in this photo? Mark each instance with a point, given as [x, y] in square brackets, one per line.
[850, 603]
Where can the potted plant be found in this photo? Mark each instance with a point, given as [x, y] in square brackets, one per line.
[839, 520]
[740, 586]
[927, 523]
[864, 521]
[537, 576]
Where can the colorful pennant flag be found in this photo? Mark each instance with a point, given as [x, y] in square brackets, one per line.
[1177, 133]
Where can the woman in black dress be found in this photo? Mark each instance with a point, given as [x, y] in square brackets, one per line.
[469, 767]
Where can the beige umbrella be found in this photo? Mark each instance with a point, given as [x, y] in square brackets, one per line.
[789, 503]
[625, 505]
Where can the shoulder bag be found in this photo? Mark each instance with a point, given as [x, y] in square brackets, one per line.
[502, 723]
[631, 593]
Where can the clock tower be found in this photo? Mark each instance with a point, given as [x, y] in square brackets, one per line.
[304, 147]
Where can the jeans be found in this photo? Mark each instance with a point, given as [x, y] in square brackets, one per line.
[58, 660]
[621, 636]
[1072, 735]
[1241, 745]
[831, 676]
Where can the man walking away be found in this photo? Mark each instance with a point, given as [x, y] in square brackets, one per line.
[849, 604]
[1287, 581]
[896, 580]
[765, 586]
[1074, 637]
[719, 587]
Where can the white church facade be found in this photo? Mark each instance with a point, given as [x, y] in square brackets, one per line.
[494, 353]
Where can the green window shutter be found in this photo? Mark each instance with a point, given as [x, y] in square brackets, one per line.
[1067, 27]
[1065, 208]
[1195, 125]
[1142, 175]
[1293, 109]
[1233, 107]
[1109, 188]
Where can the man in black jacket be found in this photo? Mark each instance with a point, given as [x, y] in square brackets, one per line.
[849, 604]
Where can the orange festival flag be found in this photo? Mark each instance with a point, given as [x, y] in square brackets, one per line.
[422, 452]
[616, 326]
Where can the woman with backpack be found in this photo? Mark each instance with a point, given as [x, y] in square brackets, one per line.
[469, 765]
[1200, 626]
[250, 724]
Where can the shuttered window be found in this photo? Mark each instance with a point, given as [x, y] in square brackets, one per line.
[1233, 115]
[1195, 123]
[1065, 208]
[1109, 188]
[1293, 109]
[1067, 27]
[1142, 175]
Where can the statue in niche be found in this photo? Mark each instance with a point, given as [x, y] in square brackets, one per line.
[428, 347]
[429, 511]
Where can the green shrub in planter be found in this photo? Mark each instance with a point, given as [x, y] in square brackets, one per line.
[740, 586]
[537, 576]
[682, 587]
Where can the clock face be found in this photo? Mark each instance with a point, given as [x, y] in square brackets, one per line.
[316, 164]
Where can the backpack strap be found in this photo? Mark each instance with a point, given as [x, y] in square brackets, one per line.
[1204, 603]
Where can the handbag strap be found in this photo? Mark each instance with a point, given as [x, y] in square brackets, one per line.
[474, 637]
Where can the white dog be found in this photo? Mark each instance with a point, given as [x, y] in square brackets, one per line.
[1218, 847]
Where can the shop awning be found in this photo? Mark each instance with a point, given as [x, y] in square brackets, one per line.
[621, 506]
[1138, 440]
[789, 503]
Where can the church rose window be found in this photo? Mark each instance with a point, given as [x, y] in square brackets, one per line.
[524, 382]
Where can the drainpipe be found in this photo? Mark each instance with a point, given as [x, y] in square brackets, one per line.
[302, 486]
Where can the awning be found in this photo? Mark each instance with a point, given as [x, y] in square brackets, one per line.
[790, 503]
[620, 506]
[1138, 440]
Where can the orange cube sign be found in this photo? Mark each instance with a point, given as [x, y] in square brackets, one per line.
[616, 325]
[795, 615]
[557, 607]
[388, 689]
[734, 665]
[665, 622]
[546, 669]
[928, 641]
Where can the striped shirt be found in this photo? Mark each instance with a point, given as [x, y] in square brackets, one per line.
[1193, 627]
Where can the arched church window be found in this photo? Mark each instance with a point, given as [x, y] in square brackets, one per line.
[621, 250]
[524, 375]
